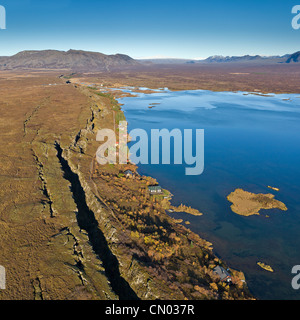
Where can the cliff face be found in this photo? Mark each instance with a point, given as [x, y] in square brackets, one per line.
[78, 230]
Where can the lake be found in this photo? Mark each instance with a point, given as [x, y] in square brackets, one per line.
[251, 141]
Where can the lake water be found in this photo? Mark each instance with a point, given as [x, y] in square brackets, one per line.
[251, 142]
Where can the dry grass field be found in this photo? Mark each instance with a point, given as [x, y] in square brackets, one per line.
[73, 230]
[41, 244]
[274, 78]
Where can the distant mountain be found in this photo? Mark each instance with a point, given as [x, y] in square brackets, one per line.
[73, 59]
[164, 61]
[245, 59]
[295, 57]
[79, 60]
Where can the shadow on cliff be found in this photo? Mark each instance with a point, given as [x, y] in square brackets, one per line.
[87, 221]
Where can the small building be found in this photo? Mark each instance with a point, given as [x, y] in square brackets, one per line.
[128, 173]
[222, 273]
[155, 189]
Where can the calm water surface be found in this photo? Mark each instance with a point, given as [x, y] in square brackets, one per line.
[251, 141]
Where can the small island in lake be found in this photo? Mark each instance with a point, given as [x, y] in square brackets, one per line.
[265, 266]
[273, 188]
[246, 203]
[152, 105]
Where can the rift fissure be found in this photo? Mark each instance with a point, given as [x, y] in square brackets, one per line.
[87, 221]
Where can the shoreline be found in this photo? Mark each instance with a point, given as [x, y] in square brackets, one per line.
[218, 78]
[188, 210]
[119, 93]
[82, 209]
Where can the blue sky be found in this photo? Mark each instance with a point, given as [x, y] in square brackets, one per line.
[184, 29]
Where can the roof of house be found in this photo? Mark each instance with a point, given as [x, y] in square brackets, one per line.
[128, 172]
[221, 272]
[154, 188]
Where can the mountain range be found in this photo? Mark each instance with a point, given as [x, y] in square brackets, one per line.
[246, 59]
[80, 60]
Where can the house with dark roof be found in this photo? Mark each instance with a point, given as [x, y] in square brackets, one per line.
[128, 173]
[222, 273]
[155, 189]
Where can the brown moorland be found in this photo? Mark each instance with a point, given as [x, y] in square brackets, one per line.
[247, 203]
[271, 78]
[72, 229]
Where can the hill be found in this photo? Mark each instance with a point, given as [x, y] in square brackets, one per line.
[295, 57]
[78, 60]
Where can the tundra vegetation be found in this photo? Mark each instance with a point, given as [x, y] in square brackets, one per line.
[246, 203]
[72, 229]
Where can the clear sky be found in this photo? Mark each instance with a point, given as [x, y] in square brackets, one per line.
[169, 28]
